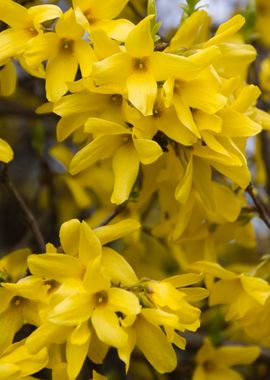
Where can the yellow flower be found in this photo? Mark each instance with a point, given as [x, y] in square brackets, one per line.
[93, 15]
[17, 363]
[6, 152]
[214, 364]
[24, 25]
[138, 69]
[19, 305]
[88, 275]
[117, 141]
[64, 50]
[242, 293]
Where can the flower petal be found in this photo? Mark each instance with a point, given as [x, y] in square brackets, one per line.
[55, 266]
[141, 32]
[117, 268]
[155, 347]
[60, 70]
[148, 151]
[142, 91]
[108, 330]
[126, 168]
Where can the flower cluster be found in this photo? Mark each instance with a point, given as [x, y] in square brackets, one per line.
[155, 132]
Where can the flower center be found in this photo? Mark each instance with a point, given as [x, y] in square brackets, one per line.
[140, 64]
[101, 298]
[67, 45]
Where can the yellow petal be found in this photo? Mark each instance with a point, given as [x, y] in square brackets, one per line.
[148, 151]
[124, 352]
[6, 153]
[163, 66]
[41, 47]
[107, 9]
[141, 32]
[226, 30]
[190, 29]
[45, 12]
[155, 347]
[116, 231]
[126, 168]
[107, 327]
[90, 246]
[247, 98]
[186, 279]
[160, 318]
[69, 236]
[9, 371]
[60, 70]
[11, 321]
[101, 126]
[8, 80]
[13, 42]
[55, 266]
[14, 14]
[97, 349]
[142, 91]
[182, 190]
[117, 268]
[115, 29]
[214, 269]
[124, 301]
[75, 356]
[67, 26]
[236, 124]
[80, 335]
[85, 56]
[233, 355]
[73, 311]
[114, 69]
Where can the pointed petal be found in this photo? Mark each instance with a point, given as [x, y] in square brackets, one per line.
[117, 268]
[126, 168]
[116, 231]
[108, 330]
[141, 32]
[142, 91]
[101, 126]
[73, 311]
[55, 266]
[85, 56]
[155, 347]
[90, 246]
[114, 69]
[41, 47]
[14, 14]
[148, 151]
[123, 301]
[75, 355]
[60, 70]
[182, 190]
[100, 148]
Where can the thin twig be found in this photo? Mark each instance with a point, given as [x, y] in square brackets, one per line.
[118, 209]
[259, 204]
[29, 217]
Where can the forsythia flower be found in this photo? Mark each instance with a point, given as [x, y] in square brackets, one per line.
[24, 25]
[214, 364]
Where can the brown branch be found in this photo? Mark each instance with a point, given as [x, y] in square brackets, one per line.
[29, 217]
[118, 209]
[259, 204]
